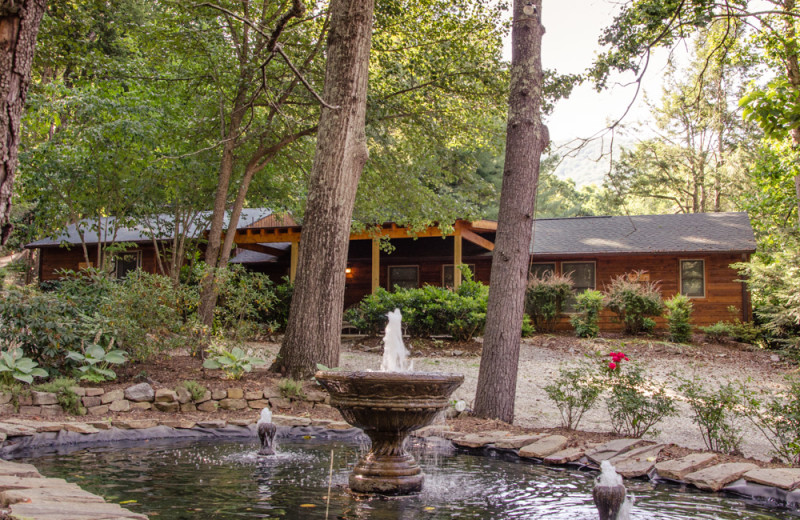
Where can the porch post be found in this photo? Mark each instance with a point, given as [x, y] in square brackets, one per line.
[457, 256]
[376, 264]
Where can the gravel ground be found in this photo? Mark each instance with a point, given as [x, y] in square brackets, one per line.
[541, 357]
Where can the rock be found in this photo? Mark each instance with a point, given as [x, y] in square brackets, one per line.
[16, 469]
[180, 424]
[143, 392]
[272, 391]
[7, 409]
[637, 462]
[477, 440]
[12, 482]
[165, 395]
[30, 410]
[184, 396]
[613, 448]
[169, 407]
[241, 422]
[52, 410]
[123, 405]
[94, 392]
[97, 410]
[433, 430]
[458, 353]
[144, 405]
[564, 456]
[134, 424]
[42, 426]
[235, 393]
[90, 401]
[53, 510]
[258, 404]
[315, 396]
[233, 404]
[208, 406]
[80, 428]
[51, 493]
[714, 478]
[515, 442]
[280, 402]
[114, 395]
[678, 468]
[40, 398]
[219, 393]
[100, 425]
[16, 430]
[288, 420]
[188, 407]
[775, 358]
[323, 406]
[783, 478]
[206, 397]
[215, 423]
[78, 390]
[339, 425]
[5, 397]
[544, 447]
[25, 400]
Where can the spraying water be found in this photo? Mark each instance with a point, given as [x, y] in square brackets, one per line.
[609, 494]
[395, 354]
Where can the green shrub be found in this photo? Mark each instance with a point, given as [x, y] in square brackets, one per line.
[777, 417]
[278, 314]
[634, 302]
[426, 311]
[544, 298]
[717, 332]
[741, 331]
[679, 311]
[63, 387]
[14, 365]
[528, 329]
[636, 404]
[194, 388]
[95, 362]
[716, 413]
[244, 301]
[233, 362]
[574, 392]
[290, 388]
[587, 314]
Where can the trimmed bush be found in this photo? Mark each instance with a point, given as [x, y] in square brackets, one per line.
[544, 299]
[587, 308]
[634, 302]
[679, 311]
[637, 404]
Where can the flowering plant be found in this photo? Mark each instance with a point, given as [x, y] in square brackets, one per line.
[616, 359]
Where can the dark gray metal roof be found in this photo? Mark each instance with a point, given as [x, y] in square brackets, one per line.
[682, 233]
[140, 232]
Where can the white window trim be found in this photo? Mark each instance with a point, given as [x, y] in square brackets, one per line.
[680, 276]
[389, 268]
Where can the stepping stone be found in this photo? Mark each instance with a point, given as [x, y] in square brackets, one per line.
[544, 447]
[433, 430]
[637, 462]
[16, 430]
[179, 424]
[80, 428]
[716, 477]
[213, 423]
[134, 424]
[39, 426]
[515, 442]
[10, 482]
[73, 511]
[478, 440]
[288, 420]
[678, 468]
[783, 478]
[564, 456]
[51, 493]
[614, 448]
[339, 425]
[100, 425]
[16, 469]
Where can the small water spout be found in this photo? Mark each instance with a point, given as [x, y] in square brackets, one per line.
[266, 432]
[395, 354]
[609, 494]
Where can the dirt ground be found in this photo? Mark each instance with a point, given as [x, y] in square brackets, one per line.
[540, 359]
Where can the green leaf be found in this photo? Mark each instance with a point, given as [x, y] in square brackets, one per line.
[211, 364]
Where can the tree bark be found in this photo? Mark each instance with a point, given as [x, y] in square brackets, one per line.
[793, 74]
[525, 140]
[315, 317]
[19, 25]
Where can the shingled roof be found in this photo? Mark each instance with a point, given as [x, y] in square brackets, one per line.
[644, 234]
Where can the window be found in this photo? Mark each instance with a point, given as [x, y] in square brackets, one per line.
[583, 279]
[124, 263]
[447, 274]
[539, 270]
[693, 278]
[404, 276]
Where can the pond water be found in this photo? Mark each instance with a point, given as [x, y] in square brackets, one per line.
[226, 480]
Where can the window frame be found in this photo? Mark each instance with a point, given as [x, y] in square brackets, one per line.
[117, 256]
[680, 276]
[452, 266]
[569, 305]
[553, 263]
[390, 285]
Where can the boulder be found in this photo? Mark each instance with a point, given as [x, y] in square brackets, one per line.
[143, 392]
[123, 405]
[235, 393]
[165, 395]
[40, 398]
[113, 395]
[184, 396]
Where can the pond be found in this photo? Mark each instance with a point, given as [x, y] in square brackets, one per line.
[215, 479]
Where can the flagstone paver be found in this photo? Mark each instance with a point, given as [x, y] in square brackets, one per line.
[716, 477]
[783, 478]
[515, 442]
[676, 469]
[614, 448]
[544, 447]
[637, 462]
[564, 456]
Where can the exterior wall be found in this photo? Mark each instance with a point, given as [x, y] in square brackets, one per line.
[53, 259]
[721, 289]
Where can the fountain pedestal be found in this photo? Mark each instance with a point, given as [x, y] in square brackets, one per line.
[388, 406]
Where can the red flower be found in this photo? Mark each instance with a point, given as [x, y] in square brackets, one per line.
[612, 365]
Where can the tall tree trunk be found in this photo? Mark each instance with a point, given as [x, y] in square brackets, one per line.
[19, 25]
[315, 317]
[525, 140]
[793, 73]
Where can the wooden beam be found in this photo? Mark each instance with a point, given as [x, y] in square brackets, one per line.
[376, 264]
[483, 225]
[477, 239]
[396, 232]
[274, 251]
[457, 257]
[293, 261]
[266, 235]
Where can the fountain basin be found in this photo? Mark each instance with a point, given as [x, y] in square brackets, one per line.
[388, 406]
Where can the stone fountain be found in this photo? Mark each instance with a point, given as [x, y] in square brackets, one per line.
[388, 405]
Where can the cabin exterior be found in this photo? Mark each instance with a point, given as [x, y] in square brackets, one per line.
[687, 253]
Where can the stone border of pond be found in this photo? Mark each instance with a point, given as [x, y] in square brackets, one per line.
[21, 485]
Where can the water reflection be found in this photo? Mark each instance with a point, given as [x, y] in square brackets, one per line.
[210, 479]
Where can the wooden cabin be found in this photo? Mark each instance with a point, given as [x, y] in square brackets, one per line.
[688, 253]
